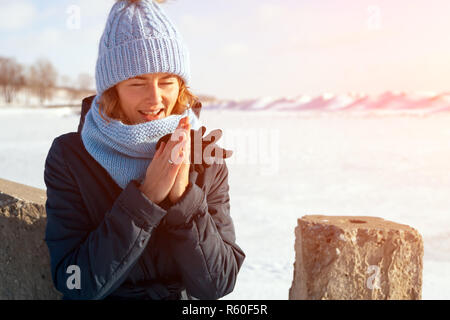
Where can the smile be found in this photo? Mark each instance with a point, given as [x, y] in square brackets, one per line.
[158, 114]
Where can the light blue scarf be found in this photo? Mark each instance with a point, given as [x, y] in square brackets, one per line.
[125, 151]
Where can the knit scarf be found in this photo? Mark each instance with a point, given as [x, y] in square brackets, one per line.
[125, 151]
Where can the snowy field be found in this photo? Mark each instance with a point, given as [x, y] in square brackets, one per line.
[287, 164]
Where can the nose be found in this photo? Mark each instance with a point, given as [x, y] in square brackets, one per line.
[153, 96]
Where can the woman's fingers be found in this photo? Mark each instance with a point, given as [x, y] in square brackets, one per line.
[181, 131]
[160, 149]
[219, 152]
[164, 139]
[178, 152]
[228, 153]
[184, 121]
[213, 135]
[171, 151]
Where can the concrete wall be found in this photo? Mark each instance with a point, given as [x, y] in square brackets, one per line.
[24, 258]
[356, 258]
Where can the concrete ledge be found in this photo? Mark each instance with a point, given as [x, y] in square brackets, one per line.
[354, 257]
[24, 258]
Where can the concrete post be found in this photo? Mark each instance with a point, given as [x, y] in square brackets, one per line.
[354, 257]
[24, 258]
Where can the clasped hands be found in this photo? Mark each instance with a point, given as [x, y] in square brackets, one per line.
[184, 147]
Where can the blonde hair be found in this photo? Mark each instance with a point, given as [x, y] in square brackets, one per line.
[109, 103]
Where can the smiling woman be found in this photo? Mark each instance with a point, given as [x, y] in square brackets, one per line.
[148, 97]
[126, 206]
[146, 92]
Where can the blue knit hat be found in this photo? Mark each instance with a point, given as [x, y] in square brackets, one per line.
[139, 38]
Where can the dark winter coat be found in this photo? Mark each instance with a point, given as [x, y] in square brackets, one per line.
[127, 247]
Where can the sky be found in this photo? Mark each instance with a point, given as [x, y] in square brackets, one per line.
[253, 48]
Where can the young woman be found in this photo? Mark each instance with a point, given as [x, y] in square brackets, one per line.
[131, 213]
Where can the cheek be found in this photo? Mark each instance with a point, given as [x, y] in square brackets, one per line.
[128, 99]
[173, 96]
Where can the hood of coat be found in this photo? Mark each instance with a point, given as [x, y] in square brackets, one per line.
[87, 102]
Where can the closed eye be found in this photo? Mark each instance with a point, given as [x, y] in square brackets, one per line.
[142, 84]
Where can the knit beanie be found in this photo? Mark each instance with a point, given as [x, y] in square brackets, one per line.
[139, 38]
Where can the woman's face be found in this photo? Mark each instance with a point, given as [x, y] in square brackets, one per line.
[148, 97]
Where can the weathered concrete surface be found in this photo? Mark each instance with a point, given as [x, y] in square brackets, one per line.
[24, 258]
[354, 257]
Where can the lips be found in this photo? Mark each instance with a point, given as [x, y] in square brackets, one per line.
[151, 116]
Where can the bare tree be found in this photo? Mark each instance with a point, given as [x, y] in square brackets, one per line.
[11, 78]
[42, 79]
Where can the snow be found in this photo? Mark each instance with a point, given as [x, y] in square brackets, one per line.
[388, 103]
[287, 164]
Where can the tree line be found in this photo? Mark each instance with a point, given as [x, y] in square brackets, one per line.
[39, 79]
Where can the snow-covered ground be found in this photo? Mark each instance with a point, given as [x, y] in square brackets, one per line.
[290, 163]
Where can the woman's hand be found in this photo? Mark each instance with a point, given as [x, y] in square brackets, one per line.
[204, 150]
[161, 175]
[182, 179]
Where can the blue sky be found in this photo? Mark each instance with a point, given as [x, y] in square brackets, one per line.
[251, 48]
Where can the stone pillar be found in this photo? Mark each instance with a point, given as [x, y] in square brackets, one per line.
[24, 259]
[354, 257]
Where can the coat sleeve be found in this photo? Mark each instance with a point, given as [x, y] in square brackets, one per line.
[104, 253]
[203, 239]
